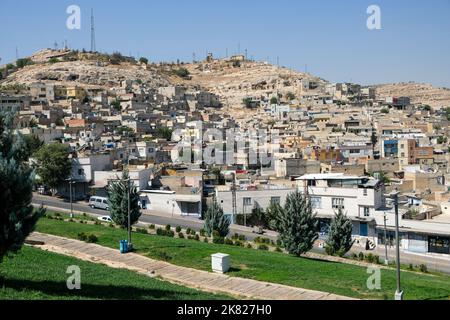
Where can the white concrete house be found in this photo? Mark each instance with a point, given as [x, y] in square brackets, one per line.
[361, 198]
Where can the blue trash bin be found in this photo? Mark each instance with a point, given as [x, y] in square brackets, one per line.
[123, 246]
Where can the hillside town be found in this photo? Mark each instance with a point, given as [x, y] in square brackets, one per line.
[343, 144]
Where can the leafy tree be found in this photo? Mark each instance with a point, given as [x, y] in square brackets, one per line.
[17, 216]
[116, 105]
[143, 60]
[164, 133]
[182, 72]
[290, 96]
[118, 201]
[32, 144]
[247, 102]
[53, 164]
[215, 220]
[382, 176]
[339, 240]
[385, 110]
[442, 139]
[274, 100]
[297, 224]
[21, 63]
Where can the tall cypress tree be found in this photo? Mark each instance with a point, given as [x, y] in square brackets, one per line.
[297, 224]
[17, 215]
[215, 220]
[339, 240]
[118, 201]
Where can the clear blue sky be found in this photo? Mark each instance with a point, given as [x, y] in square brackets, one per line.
[330, 36]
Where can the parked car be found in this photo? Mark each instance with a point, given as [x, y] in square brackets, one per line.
[44, 190]
[105, 219]
[99, 203]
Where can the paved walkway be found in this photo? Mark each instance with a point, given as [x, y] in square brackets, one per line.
[202, 280]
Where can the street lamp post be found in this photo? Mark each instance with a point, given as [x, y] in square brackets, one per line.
[70, 197]
[398, 292]
[386, 259]
[130, 245]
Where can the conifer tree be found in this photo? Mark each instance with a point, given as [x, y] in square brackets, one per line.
[297, 224]
[339, 240]
[17, 216]
[215, 220]
[118, 201]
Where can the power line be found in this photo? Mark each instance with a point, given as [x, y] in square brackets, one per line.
[93, 49]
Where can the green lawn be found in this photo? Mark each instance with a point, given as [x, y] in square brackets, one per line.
[34, 274]
[343, 279]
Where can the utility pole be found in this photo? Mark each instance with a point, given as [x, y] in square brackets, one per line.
[130, 245]
[233, 193]
[93, 49]
[399, 292]
[386, 259]
[71, 200]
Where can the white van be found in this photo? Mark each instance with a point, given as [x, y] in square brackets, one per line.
[99, 203]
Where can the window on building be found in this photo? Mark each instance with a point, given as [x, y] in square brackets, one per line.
[366, 211]
[275, 200]
[337, 203]
[247, 201]
[150, 150]
[364, 192]
[316, 202]
[311, 183]
[80, 172]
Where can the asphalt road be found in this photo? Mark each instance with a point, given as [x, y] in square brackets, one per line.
[434, 262]
[183, 222]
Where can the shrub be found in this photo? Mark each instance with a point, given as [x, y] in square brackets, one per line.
[178, 229]
[188, 231]
[197, 237]
[163, 255]
[168, 227]
[249, 246]
[202, 232]
[354, 256]
[423, 268]
[205, 240]
[141, 230]
[411, 267]
[376, 259]
[242, 237]
[193, 232]
[263, 247]
[229, 242]
[180, 235]
[218, 240]
[361, 256]
[82, 236]
[92, 238]
[278, 249]
[369, 258]
[238, 243]
[151, 227]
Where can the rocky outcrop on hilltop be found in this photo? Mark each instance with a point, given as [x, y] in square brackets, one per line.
[85, 73]
[418, 92]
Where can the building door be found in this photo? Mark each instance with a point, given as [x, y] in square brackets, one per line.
[363, 229]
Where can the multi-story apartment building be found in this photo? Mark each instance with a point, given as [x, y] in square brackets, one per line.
[361, 198]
